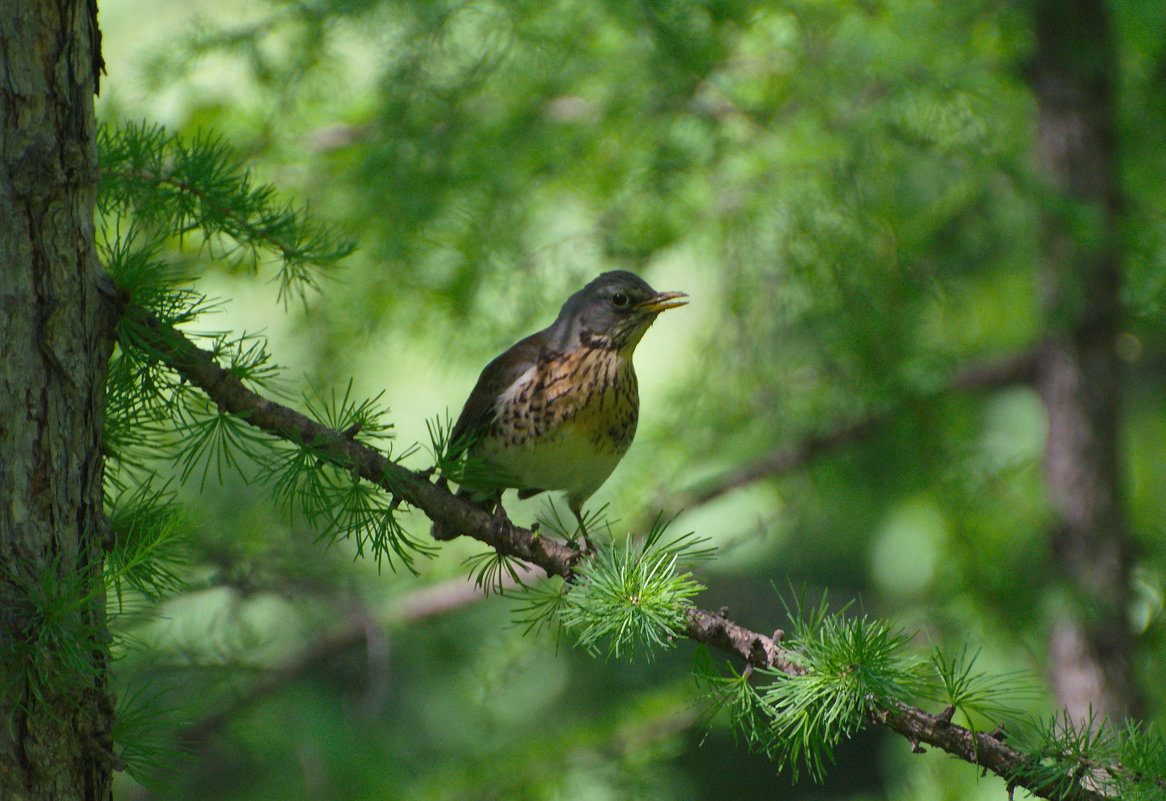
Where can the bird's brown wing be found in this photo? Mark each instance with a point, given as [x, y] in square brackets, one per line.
[478, 413]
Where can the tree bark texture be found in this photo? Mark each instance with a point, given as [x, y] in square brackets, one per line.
[1075, 76]
[55, 711]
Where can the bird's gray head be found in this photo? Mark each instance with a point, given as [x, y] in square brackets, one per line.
[612, 312]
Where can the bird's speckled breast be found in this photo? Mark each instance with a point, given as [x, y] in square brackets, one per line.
[566, 422]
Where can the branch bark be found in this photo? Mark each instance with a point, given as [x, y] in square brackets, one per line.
[456, 515]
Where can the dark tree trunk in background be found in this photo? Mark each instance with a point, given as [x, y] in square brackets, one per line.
[55, 711]
[1075, 79]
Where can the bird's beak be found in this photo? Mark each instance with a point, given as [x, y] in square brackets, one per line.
[664, 300]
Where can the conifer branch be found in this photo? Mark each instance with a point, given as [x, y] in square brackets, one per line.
[181, 188]
[986, 749]
[454, 514]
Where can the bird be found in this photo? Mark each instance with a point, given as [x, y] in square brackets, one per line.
[558, 410]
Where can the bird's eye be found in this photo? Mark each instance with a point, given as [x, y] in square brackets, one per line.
[619, 300]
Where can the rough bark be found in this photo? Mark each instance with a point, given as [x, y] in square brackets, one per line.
[55, 711]
[1074, 77]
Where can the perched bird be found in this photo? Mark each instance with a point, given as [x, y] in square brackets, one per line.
[558, 410]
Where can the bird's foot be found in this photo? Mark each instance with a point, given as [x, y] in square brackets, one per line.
[581, 541]
[499, 518]
[588, 548]
[588, 545]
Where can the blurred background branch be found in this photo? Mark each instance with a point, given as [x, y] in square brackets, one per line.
[998, 373]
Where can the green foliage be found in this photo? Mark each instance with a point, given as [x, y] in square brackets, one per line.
[540, 604]
[142, 739]
[50, 643]
[440, 429]
[851, 664]
[196, 190]
[848, 666]
[138, 393]
[134, 257]
[490, 570]
[1142, 752]
[142, 392]
[451, 460]
[983, 698]
[158, 195]
[1122, 761]
[812, 713]
[212, 437]
[596, 524]
[148, 551]
[296, 470]
[625, 599]
[363, 419]
[731, 693]
[341, 506]
[334, 501]
[630, 597]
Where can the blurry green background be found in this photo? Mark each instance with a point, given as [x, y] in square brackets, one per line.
[842, 188]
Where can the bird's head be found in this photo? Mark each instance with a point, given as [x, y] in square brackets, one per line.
[611, 312]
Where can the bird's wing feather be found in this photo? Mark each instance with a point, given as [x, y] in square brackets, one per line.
[496, 377]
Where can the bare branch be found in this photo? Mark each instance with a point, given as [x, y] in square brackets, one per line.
[782, 460]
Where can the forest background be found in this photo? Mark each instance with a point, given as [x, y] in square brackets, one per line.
[863, 396]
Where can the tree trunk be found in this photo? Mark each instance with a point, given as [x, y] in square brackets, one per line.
[1074, 76]
[55, 710]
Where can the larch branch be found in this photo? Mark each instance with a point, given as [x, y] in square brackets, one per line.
[457, 515]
